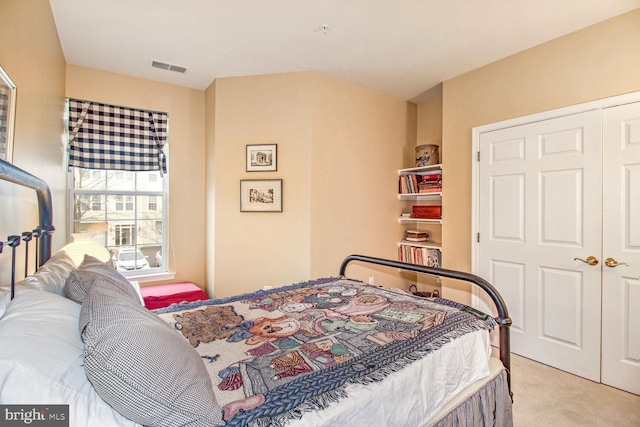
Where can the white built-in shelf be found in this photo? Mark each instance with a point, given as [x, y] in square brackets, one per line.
[420, 196]
[420, 170]
[418, 250]
[429, 245]
[410, 220]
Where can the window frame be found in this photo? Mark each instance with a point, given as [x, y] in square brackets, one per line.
[139, 197]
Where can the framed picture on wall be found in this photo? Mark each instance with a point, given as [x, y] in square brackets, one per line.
[261, 195]
[261, 158]
[7, 113]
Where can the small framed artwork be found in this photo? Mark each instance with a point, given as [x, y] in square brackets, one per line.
[260, 195]
[261, 158]
[7, 113]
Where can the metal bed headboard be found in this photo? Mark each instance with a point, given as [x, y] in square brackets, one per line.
[42, 233]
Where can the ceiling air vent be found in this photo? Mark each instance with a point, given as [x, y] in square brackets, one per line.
[168, 67]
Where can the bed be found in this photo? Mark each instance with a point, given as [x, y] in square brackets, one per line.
[328, 351]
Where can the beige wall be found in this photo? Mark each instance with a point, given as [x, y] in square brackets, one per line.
[339, 146]
[30, 53]
[253, 249]
[360, 139]
[597, 62]
[186, 155]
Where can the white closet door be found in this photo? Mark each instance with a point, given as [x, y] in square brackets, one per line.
[540, 192]
[621, 242]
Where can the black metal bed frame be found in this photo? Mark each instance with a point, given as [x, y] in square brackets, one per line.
[502, 319]
[42, 233]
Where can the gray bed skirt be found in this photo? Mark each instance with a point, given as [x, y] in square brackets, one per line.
[489, 406]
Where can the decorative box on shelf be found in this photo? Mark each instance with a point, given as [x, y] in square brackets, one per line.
[426, 211]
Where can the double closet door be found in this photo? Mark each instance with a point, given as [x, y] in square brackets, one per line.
[558, 215]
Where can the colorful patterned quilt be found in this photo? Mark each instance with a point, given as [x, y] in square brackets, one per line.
[272, 356]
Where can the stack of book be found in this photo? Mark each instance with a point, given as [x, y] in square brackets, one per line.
[419, 255]
[431, 183]
[417, 236]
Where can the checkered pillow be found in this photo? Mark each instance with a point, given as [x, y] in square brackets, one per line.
[141, 366]
[93, 272]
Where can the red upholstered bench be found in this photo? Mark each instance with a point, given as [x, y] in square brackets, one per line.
[164, 295]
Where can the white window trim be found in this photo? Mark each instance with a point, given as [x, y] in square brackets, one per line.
[153, 274]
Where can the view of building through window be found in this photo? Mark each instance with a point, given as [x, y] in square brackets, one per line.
[124, 211]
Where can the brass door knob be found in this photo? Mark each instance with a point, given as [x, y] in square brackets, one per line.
[591, 260]
[612, 263]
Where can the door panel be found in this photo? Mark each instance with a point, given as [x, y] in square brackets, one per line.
[507, 208]
[539, 208]
[621, 241]
[561, 307]
[561, 207]
[513, 295]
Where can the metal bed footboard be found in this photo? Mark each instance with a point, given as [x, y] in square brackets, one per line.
[42, 233]
[503, 320]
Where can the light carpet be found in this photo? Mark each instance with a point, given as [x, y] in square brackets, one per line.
[545, 396]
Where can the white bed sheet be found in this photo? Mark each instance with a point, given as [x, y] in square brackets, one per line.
[413, 395]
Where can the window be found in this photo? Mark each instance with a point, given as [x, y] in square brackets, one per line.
[119, 200]
[96, 203]
[120, 216]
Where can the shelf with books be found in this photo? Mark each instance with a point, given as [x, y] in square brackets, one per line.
[423, 182]
[424, 185]
[420, 254]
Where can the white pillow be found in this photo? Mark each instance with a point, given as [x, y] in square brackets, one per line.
[50, 277]
[41, 359]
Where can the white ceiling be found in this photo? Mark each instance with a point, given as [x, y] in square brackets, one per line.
[400, 47]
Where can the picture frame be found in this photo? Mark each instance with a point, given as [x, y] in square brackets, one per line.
[7, 115]
[262, 157]
[260, 195]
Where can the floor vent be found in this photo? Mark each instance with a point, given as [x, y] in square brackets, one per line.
[168, 67]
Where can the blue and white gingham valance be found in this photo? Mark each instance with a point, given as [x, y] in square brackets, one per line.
[105, 136]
